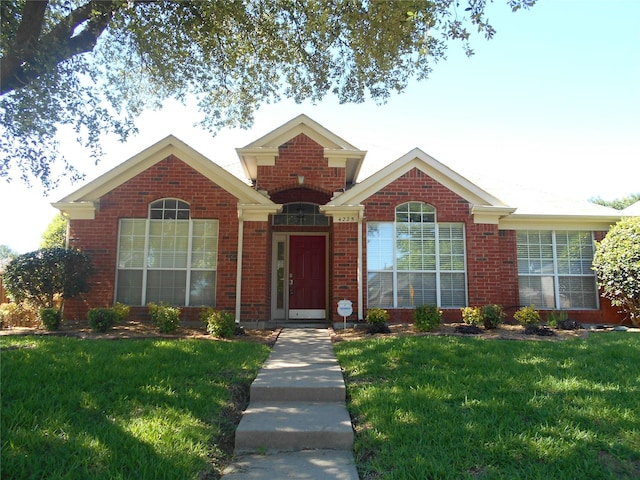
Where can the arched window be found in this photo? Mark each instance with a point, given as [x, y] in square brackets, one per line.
[415, 260]
[167, 257]
[168, 209]
[300, 213]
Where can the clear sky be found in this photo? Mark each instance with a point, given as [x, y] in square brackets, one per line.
[553, 101]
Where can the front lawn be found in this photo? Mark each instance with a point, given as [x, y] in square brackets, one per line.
[463, 408]
[124, 409]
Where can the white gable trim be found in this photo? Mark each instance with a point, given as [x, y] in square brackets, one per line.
[82, 203]
[416, 158]
[264, 151]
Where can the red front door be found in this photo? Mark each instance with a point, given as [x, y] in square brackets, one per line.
[307, 277]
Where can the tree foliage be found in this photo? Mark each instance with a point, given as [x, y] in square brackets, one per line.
[617, 265]
[95, 65]
[618, 203]
[55, 236]
[6, 252]
[41, 275]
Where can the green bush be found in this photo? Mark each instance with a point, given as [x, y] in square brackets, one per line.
[492, 316]
[427, 317]
[617, 264]
[122, 311]
[377, 316]
[50, 318]
[165, 317]
[102, 319]
[527, 316]
[471, 315]
[219, 323]
[42, 275]
[556, 317]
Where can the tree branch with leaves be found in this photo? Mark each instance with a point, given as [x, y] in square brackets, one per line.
[94, 66]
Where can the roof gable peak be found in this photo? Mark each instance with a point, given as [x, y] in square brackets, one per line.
[265, 149]
[417, 158]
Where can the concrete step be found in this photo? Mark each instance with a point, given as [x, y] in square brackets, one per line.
[307, 464]
[287, 426]
[298, 382]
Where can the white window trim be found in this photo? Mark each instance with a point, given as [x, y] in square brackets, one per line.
[557, 275]
[438, 272]
[145, 266]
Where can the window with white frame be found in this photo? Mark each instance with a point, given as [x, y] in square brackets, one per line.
[167, 257]
[554, 269]
[415, 260]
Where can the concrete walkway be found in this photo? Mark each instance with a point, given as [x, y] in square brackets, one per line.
[297, 425]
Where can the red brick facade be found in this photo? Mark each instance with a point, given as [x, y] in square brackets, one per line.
[491, 255]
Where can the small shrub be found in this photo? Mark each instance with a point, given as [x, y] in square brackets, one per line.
[165, 317]
[527, 316]
[555, 317]
[377, 315]
[122, 311]
[50, 318]
[220, 324]
[102, 319]
[377, 319]
[471, 315]
[427, 317]
[492, 316]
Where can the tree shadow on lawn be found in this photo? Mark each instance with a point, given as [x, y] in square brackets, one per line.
[69, 412]
[462, 408]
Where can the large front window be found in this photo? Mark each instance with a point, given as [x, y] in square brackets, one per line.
[554, 269]
[415, 260]
[167, 257]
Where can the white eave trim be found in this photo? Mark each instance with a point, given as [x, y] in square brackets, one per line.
[490, 214]
[557, 222]
[257, 213]
[77, 210]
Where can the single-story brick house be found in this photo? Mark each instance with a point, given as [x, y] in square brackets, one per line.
[300, 234]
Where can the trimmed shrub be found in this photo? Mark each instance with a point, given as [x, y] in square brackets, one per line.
[219, 323]
[427, 317]
[471, 315]
[377, 315]
[165, 317]
[122, 311]
[102, 319]
[42, 275]
[50, 318]
[492, 316]
[377, 319]
[526, 316]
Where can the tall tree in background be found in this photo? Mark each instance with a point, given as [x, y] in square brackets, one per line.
[618, 203]
[95, 65]
[55, 236]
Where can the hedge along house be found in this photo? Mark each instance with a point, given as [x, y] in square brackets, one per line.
[169, 225]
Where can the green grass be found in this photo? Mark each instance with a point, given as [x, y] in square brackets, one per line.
[463, 408]
[126, 409]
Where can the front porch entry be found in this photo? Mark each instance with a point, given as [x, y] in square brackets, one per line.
[299, 277]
